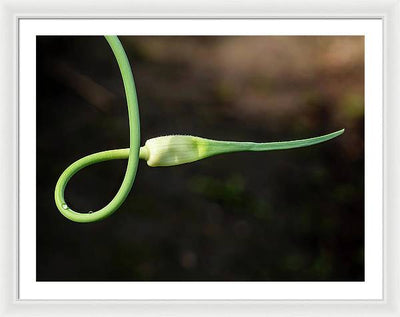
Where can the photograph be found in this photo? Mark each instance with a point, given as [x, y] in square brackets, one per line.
[246, 158]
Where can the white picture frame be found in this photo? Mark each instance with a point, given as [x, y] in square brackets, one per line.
[387, 11]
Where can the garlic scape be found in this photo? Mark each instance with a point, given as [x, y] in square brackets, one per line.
[160, 151]
[173, 150]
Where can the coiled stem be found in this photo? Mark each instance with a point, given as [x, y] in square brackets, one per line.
[133, 156]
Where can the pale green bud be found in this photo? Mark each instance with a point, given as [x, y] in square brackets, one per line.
[174, 150]
[180, 149]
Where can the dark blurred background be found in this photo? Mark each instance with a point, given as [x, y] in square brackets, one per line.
[293, 215]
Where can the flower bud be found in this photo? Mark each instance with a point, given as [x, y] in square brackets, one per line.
[174, 150]
[180, 149]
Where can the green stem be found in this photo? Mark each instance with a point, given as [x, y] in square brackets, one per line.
[132, 153]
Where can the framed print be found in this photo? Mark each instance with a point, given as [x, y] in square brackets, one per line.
[187, 164]
[222, 206]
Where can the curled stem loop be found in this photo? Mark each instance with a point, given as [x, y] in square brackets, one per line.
[132, 153]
